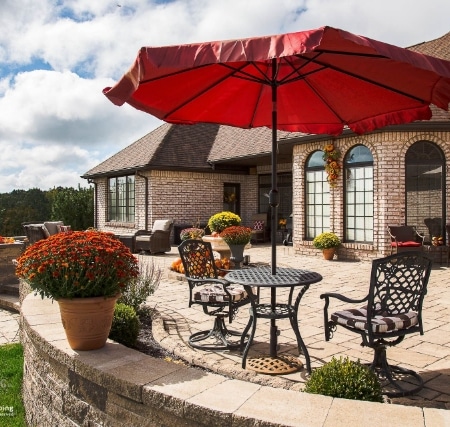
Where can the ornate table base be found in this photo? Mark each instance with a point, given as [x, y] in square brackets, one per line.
[281, 364]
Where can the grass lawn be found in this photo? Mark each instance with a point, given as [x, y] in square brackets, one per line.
[12, 412]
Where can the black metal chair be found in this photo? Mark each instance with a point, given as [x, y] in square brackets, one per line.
[398, 284]
[217, 296]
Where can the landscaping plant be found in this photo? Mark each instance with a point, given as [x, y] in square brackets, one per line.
[346, 379]
[141, 287]
[125, 325]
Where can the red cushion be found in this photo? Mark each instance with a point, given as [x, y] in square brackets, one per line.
[408, 244]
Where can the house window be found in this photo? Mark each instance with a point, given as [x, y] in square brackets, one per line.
[284, 183]
[121, 199]
[358, 165]
[425, 184]
[317, 196]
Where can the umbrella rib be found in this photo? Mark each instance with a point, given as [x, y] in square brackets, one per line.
[247, 76]
[367, 80]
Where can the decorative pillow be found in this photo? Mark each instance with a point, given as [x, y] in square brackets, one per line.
[64, 228]
[258, 225]
[161, 224]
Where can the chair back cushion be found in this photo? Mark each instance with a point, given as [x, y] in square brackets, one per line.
[162, 225]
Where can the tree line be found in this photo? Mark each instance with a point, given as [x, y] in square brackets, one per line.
[74, 206]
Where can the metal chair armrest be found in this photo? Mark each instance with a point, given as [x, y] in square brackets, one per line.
[329, 326]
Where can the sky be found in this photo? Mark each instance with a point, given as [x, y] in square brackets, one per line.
[56, 56]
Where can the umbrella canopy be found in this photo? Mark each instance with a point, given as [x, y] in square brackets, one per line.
[317, 81]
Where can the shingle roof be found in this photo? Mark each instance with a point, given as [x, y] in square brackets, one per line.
[195, 146]
[439, 48]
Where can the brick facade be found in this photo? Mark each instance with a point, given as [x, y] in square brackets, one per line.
[191, 197]
[388, 150]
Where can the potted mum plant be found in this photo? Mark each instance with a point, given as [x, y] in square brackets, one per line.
[236, 237]
[219, 221]
[327, 242]
[85, 272]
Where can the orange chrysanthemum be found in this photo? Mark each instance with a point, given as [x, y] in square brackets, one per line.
[78, 264]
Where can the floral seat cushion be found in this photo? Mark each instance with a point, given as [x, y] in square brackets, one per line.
[215, 293]
[357, 318]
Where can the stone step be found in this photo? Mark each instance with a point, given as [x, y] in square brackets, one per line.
[10, 289]
[10, 302]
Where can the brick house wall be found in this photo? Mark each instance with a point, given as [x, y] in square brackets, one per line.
[185, 197]
[388, 150]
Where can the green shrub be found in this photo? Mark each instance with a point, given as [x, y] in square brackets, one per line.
[141, 287]
[125, 325]
[347, 379]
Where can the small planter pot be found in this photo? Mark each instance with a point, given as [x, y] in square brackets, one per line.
[87, 321]
[328, 254]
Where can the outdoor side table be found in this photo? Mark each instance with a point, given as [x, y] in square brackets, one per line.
[262, 277]
[438, 251]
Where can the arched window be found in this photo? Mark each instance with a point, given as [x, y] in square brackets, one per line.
[317, 197]
[358, 165]
[425, 184]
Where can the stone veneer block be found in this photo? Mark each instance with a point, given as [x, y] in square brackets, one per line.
[291, 409]
[170, 392]
[436, 417]
[219, 402]
[371, 414]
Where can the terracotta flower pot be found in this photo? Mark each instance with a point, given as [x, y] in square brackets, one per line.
[87, 321]
[328, 254]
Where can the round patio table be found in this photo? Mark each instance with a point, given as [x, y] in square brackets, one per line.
[262, 277]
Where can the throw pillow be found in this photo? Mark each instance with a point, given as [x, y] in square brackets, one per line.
[258, 225]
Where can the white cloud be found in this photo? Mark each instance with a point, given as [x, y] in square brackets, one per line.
[55, 61]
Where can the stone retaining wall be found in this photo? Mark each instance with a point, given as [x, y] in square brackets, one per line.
[118, 386]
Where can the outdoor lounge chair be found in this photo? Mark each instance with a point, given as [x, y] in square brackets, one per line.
[217, 296]
[391, 310]
[155, 241]
[404, 238]
[41, 230]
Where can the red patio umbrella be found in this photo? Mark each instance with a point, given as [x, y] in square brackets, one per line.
[317, 81]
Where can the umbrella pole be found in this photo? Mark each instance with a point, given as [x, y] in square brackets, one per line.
[273, 195]
[274, 201]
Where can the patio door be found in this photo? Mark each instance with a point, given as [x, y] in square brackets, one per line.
[425, 189]
[232, 198]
